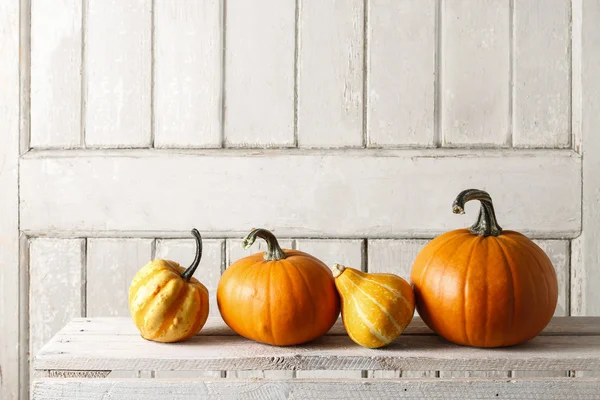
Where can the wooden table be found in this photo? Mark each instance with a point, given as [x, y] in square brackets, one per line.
[83, 361]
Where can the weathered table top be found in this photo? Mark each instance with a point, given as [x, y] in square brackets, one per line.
[105, 344]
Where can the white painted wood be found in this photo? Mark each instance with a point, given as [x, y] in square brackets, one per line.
[475, 73]
[585, 297]
[259, 73]
[539, 374]
[462, 389]
[558, 252]
[209, 270]
[187, 374]
[394, 256]
[558, 326]
[400, 73]
[328, 374]
[111, 265]
[55, 287]
[56, 67]
[330, 73]
[187, 73]
[378, 374]
[474, 374]
[587, 374]
[355, 196]
[576, 74]
[85, 350]
[344, 252]
[542, 60]
[256, 374]
[235, 251]
[11, 339]
[118, 58]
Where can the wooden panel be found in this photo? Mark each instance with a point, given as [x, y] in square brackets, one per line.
[558, 252]
[328, 374]
[558, 326]
[585, 297]
[345, 252]
[209, 270]
[118, 59]
[111, 265]
[542, 62]
[475, 73]
[540, 374]
[344, 187]
[56, 73]
[259, 73]
[256, 374]
[400, 73]
[344, 389]
[84, 351]
[11, 340]
[187, 374]
[235, 251]
[188, 81]
[330, 73]
[55, 287]
[474, 374]
[394, 256]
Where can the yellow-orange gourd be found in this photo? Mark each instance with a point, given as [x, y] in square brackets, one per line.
[376, 307]
[166, 303]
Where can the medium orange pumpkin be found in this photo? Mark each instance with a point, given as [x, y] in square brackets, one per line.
[483, 286]
[279, 297]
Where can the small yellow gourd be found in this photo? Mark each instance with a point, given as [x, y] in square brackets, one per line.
[376, 307]
[166, 303]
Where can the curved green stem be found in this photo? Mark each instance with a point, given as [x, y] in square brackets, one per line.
[187, 274]
[274, 251]
[486, 224]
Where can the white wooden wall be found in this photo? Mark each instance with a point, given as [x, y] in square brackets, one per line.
[346, 127]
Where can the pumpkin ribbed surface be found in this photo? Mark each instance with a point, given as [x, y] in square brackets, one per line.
[376, 308]
[164, 306]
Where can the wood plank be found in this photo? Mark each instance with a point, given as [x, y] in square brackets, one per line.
[540, 374]
[187, 374]
[342, 186]
[559, 253]
[11, 338]
[409, 352]
[542, 73]
[558, 326]
[475, 73]
[323, 389]
[259, 73]
[394, 256]
[328, 374]
[209, 270]
[118, 60]
[55, 287]
[330, 73]
[111, 265]
[188, 73]
[400, 89]
[56, 66]
[331, 251]
[474, 374]
[585, 297]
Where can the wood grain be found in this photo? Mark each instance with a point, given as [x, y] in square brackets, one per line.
[344, 187]
[11, 339]
[475, 73]
[259, 73]
[330, 73]
[542, 68]
[118, 63]
[326, 389]
[400, 72]
[55, 288]
[585, 298]
[56, 66]
[111, 265]
[188, 73]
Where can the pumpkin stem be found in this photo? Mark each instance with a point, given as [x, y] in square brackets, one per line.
[486, 224]
[337, 270]
[187, 274]
[274, 251]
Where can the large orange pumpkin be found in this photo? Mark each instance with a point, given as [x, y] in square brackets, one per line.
[279, 297]
[483, 286]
